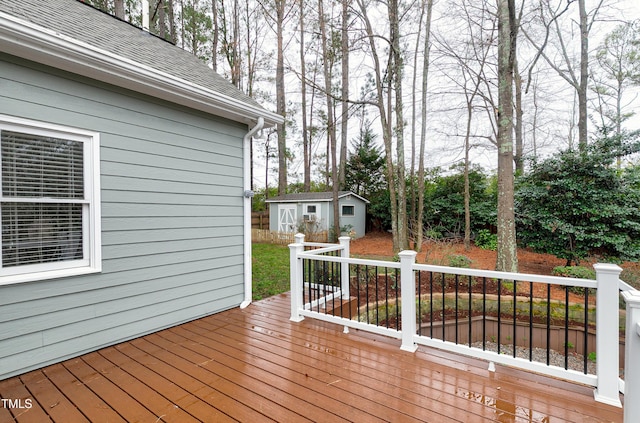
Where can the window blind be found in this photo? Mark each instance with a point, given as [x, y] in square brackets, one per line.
[35, 171]
[40, 233]
[37, 166]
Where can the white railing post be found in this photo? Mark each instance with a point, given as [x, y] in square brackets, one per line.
[631, 354]
[607, 339]
[296, 277]
[408, 299]
[344, 267]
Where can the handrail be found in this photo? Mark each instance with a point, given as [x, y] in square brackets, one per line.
[323, 250]
[623, 286]
[526, 277]
[350, 260]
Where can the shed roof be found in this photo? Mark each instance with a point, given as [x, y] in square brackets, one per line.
[75, 37]
[312, 196]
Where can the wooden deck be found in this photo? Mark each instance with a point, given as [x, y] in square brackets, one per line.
[254, 365]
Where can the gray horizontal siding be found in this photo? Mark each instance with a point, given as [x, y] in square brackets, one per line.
[172, 227]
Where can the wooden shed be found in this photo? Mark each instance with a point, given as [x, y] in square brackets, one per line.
[313, 212]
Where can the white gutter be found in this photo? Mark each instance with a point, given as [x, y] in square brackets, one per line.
[41, 45]
[246, 143]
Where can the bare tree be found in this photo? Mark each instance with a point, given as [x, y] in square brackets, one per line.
[385, 117]
[472, 56]
[229, 28]
[423, 132]
[618, 69]
[397, 75]
[550, 18]
[278, 12]
[387, 99]
[303, 93]
[281, 105]
[344, 103]
[331, 127]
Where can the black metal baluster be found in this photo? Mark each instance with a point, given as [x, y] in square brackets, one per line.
[548, 322]
[337, 284]
[366, 269]
[444, 284]
[334, 279]
[484, 313]
[358, 286]
[499, 314]
[470, 311]
[566, 327]
[419, 304]
[431, 304]
[515, 315]
[377, 305]
[456, 303]
[397, 297]
[585, 345]
[530, 321]
[325, 272]
[310, 277]
[386, 295]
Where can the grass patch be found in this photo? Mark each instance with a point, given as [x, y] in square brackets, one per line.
[270, 270]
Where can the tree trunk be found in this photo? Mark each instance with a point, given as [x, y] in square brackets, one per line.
[281, 105]
[162, 19]
[519, 154]
[423, 130]
[344, 47]
[119, 9]
[467, 188]
[394, 19]
[507, 259]
[305, 131]
[172, 24]
[331, 127]
[584, 77]
[216, 37]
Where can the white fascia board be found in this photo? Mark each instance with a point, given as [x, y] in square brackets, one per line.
[355, 195]
[32, 42]
[306, 200]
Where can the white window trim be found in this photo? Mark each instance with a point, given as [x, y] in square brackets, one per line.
[347, 215]
[92, 230]
[316, 213]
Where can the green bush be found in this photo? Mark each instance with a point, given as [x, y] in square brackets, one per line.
[579, 272]
[486, 240]
[577, 203]
[459, 260]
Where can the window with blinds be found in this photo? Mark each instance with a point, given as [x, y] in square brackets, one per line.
[47, 186]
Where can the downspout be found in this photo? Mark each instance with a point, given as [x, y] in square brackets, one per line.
[247, 211]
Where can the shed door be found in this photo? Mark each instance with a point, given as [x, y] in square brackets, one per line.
[287, 218]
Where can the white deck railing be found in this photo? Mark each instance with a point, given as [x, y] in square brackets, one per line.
[608, 286]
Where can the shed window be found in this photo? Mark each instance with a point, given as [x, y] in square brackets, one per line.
[49, 208]
[348, 210]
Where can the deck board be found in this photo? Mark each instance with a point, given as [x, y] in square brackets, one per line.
[255, 365]
[51, 398]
